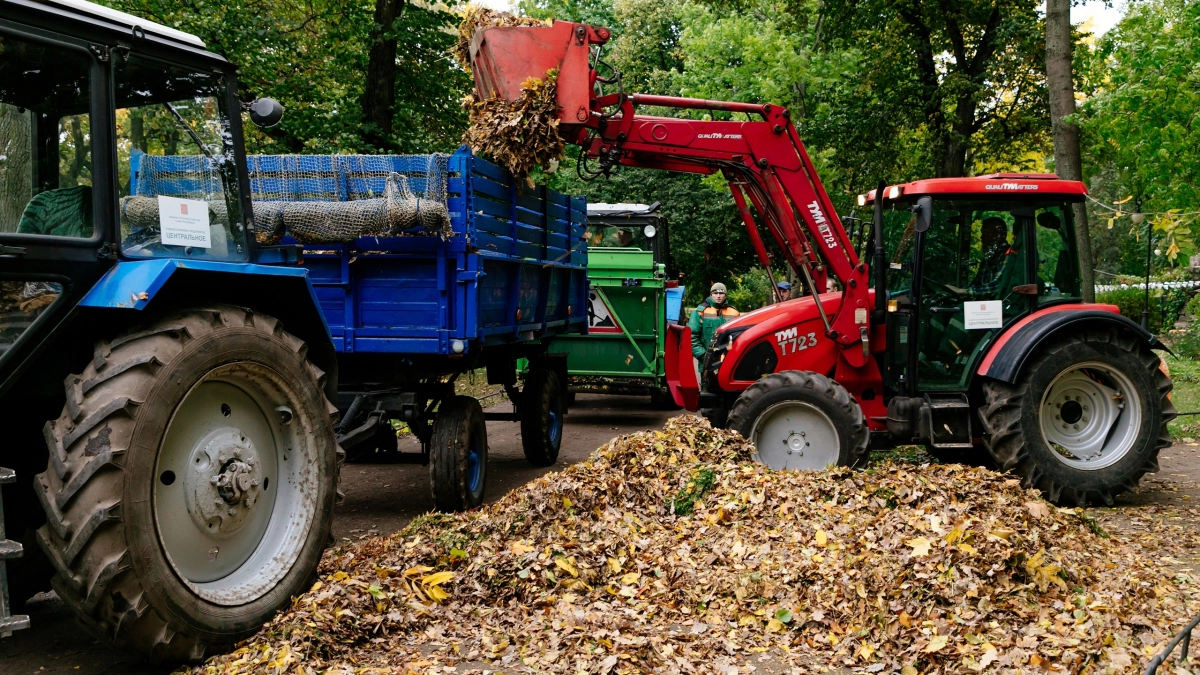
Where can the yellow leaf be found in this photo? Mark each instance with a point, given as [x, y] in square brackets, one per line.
[908, 670]
[920, 546]
[437, 578]
[630, 578]
[865, 652]
[567, 565]
[614, 565]
[338, 576]
[436, 593]
[822, 538]
[967, 548]
[774, 626]
[566, 502]
[521, 549]
[316, 587]
[936, 644]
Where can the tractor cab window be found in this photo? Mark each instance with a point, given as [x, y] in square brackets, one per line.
[600, 235]
[45, 139]
[176, 170]
[973, 276]
[1058, 266]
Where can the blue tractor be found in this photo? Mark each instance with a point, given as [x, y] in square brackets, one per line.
[166, 383]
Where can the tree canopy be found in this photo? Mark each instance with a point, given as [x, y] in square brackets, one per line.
[879, 89]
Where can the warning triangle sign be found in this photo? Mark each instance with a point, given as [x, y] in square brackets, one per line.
[600, 316]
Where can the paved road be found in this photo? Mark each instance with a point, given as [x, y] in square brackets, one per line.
[380, 499]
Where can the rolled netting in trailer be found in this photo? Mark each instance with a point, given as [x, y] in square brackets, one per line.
[314, 198]
[339, 198]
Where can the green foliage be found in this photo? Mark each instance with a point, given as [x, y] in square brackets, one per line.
[1140, 131]
[697, 486]
[312, 57]
[1142, 118]
[1165, 305]
[751, 290]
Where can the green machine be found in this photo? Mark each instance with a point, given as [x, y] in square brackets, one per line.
[633, 294]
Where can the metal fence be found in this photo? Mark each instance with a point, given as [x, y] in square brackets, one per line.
[1184, 637]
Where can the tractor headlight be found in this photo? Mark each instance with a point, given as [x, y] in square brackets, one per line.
[895, 191]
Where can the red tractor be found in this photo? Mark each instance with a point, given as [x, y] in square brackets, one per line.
[966, 331]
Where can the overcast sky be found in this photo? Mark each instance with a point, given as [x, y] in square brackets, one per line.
[1102, 17]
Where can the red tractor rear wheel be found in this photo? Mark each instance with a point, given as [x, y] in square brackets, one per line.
[1086, 419]
[801, 420]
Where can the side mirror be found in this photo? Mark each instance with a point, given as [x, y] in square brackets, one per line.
[265, 112]
[924, 213]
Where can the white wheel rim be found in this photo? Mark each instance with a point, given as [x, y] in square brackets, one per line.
[795, 435]
[236, 483]
[1090, 416]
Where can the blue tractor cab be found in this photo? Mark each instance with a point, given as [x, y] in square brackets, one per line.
[166, 384]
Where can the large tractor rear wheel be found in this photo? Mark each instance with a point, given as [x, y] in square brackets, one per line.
[801, 420]
[1085, 421]
[191, 482]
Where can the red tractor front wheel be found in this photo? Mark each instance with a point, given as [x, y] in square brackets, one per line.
[801, 420]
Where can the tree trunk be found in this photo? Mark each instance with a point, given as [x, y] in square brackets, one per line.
[379, 95]
[16, 171]
[1061, 87]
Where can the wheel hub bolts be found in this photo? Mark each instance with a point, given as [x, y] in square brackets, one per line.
[224, 482]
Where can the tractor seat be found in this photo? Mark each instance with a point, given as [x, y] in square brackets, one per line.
[65, 212]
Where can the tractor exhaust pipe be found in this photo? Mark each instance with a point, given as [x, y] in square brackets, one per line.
[880, 260]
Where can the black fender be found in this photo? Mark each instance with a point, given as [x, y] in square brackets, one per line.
[1007, 355]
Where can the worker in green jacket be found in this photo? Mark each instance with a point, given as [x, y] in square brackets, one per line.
[707, 317]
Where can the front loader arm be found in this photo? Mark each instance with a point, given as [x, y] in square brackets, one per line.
[763, 160]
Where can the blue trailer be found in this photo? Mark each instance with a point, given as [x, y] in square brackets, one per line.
[411, 310]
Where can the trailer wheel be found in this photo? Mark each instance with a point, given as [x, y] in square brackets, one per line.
[458, 455]
[801, 420]
[191, 482]
[542, 408]
[1086, 420]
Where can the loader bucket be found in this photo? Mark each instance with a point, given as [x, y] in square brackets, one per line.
[681, 373]
[505, 56]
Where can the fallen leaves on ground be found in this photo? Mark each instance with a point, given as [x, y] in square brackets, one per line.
[898, 568]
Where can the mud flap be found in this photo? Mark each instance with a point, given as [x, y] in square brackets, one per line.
[681, 374]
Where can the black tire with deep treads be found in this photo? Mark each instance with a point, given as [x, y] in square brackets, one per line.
[97, 489]
[816, 389]
[459, 420]
[1013, 435]
[542, 396]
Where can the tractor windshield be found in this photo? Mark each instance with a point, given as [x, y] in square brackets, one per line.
[176, 168]
[618, 236]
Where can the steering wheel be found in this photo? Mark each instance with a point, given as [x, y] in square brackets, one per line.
[942, 294]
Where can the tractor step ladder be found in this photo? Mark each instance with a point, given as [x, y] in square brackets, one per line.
[8, 551]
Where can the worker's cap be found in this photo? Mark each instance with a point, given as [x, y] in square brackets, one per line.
[717, 288]
[783, 286]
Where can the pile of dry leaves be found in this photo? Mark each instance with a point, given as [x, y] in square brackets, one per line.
[671, 551]
[518, 135]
